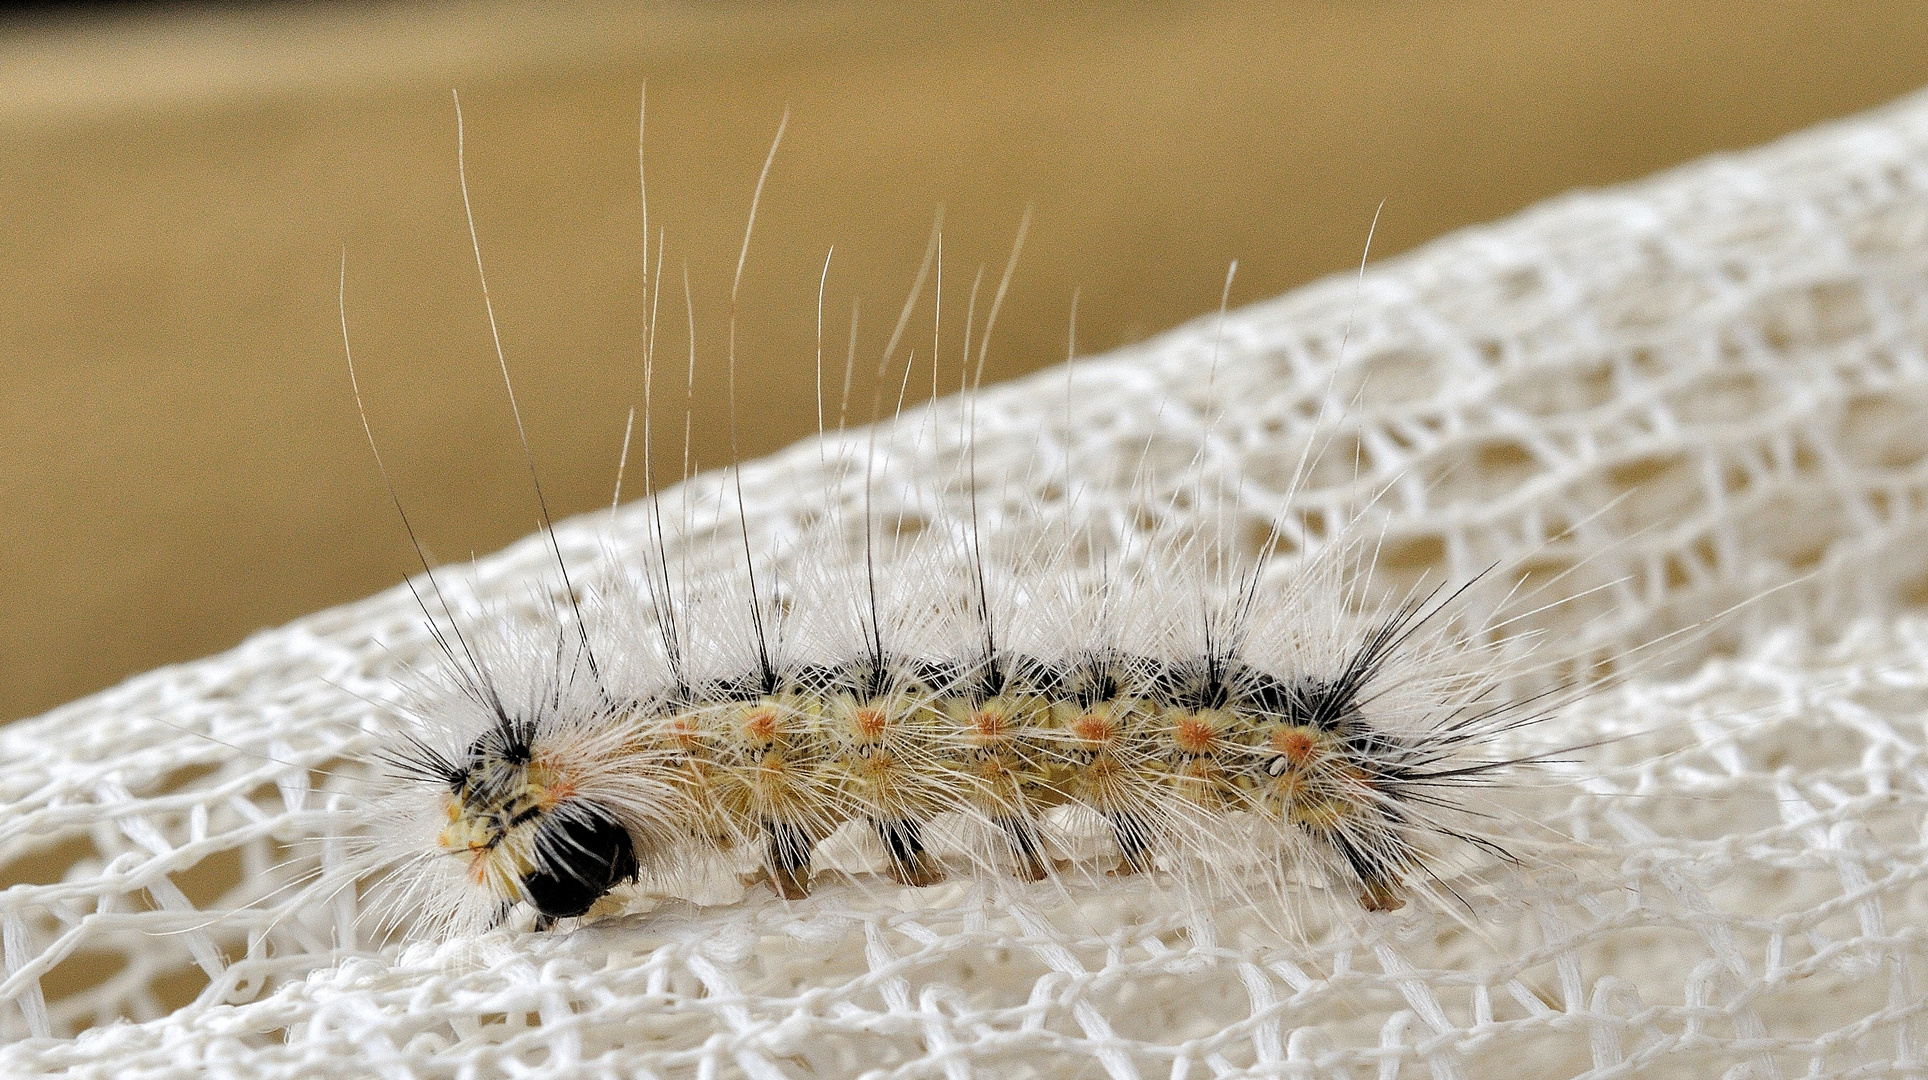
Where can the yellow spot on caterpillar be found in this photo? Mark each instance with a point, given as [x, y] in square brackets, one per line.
[499, 853]
[683, 732]
[464, 832]
[1103, 771]
[1319, 815]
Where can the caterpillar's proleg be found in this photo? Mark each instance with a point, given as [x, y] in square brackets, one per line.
[903, 841]
[1134, 843]
[1022, 839]
[1377, 870]
[789, 857]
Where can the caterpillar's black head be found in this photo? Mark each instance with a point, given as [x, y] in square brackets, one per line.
[529, 833]
[579, 857]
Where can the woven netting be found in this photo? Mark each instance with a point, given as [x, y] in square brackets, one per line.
[1695, 389]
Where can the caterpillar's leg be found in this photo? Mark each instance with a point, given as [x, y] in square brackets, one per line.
[1375, 867]
[544, 922]
[789, 858]
[1023, 839]
[909, 863]
[1134, 842]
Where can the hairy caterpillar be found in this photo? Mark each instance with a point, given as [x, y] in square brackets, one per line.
[898, 667]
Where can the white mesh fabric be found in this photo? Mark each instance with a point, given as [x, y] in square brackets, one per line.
[1736, 352]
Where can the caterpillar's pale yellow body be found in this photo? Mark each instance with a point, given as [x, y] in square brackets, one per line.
[587, 786]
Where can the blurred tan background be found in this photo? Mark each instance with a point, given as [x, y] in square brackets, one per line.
[182, 462]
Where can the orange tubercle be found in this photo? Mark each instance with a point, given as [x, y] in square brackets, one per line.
[1296, 745]
[871, 722]
[1094, 728]
[761, 725]
[1193, 735]
[989, 723]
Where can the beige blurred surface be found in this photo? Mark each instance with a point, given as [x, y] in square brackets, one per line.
[183, 462]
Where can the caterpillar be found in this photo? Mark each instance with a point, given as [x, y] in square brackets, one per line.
[901, 669]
